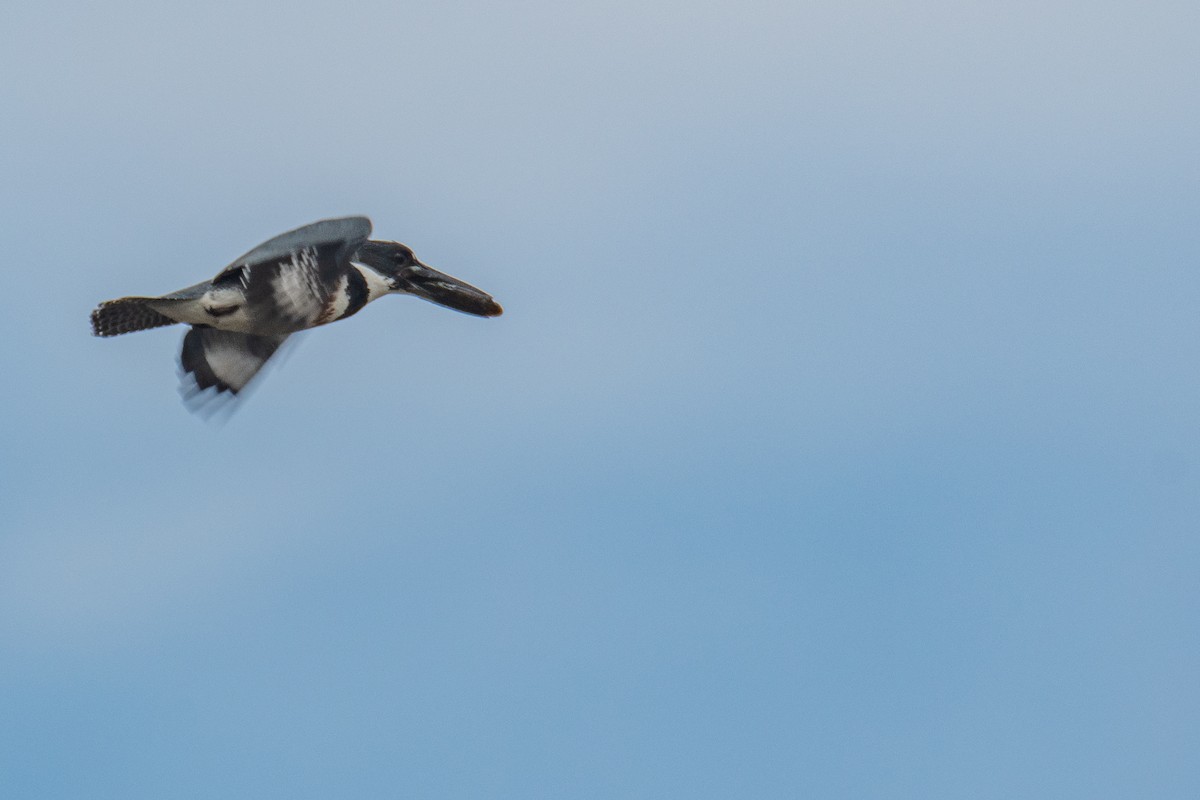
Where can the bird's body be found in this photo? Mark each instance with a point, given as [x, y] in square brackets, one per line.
[311, 276]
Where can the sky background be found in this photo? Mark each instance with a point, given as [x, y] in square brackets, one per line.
[841, 437]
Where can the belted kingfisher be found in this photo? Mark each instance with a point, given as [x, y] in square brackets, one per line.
[311, 276]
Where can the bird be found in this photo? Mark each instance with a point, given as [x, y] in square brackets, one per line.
[311, 276]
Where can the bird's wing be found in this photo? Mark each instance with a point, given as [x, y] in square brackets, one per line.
[335, 237]
[291, 274]
[224, 360]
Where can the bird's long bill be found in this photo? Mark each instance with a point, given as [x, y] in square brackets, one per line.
[450, 292]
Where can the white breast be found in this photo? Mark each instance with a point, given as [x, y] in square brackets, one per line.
[339, 301]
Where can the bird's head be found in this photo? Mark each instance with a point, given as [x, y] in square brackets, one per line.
[407, 275]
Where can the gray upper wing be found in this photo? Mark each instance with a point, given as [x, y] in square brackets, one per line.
[346, 234]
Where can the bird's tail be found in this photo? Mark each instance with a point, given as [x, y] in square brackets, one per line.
[126, 315]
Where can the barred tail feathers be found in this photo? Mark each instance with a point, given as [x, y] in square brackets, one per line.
[126, 315]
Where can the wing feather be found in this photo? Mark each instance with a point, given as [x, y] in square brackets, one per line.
[223, 360]
[343, 236]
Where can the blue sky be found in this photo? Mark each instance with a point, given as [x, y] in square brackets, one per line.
[839, 439]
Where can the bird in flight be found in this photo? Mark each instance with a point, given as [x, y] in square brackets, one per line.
[311, 276]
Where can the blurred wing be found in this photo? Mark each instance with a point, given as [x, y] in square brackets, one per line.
[224, 360]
